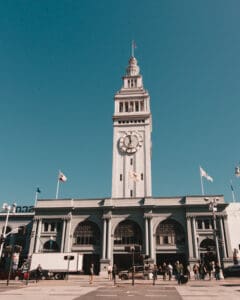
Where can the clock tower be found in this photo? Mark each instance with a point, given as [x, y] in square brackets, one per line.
[132, 126]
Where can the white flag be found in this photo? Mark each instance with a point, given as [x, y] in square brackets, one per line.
[237, 171]
[134, 176]
[62, 177]
[205, 174]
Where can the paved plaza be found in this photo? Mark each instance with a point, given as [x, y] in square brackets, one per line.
[78, 288]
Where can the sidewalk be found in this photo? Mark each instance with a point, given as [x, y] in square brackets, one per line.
[79, 285]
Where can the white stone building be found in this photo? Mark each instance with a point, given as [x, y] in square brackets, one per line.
[162, 229]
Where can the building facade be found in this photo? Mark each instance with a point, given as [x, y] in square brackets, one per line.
[132, 226]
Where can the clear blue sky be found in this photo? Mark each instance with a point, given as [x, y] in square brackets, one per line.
[61, 63]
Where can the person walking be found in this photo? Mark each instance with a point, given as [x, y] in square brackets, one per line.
[155, 271]
[188, 271]
[179, 271]
[114, 273]
[217, 271]
[164, 271]
[196, 271]
[38, 273]
[170, 271]
[109, 270]
[91, 273]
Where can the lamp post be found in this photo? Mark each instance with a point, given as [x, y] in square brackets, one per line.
[213, 207]
[8, 208]
[133, 264]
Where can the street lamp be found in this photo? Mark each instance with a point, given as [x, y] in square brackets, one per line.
[8, 208]
[213, 202]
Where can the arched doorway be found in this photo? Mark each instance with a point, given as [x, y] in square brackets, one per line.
[207, 251]
[170, 242]
[127, 244]
[86, 239]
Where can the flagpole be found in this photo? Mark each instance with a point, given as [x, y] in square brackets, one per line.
[36, 196]
[233, 194]
[201, 181]
[57, 189]
[57, 185]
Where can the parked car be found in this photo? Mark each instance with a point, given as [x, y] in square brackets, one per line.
[139, 273]
[232, 271]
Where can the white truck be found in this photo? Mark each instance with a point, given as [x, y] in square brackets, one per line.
[59, 265]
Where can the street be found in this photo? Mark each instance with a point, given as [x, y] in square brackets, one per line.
[78, 288]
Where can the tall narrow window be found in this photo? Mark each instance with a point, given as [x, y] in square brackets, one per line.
[141, 176]
[142, 106]
[137, 106]
[126, 107]
[120, 177]
[45, 227]
[121, 107]
[131, 193]
[131, 106]
[131, 161]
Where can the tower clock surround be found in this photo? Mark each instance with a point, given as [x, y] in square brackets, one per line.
[132, 127]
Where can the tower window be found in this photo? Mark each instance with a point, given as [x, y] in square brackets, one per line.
[131, 106]
[142, 106]
[141, 176]
[121, 107]
[120, 177]
[131, 193]
[126, 107]
[137, 106]
[131, 161]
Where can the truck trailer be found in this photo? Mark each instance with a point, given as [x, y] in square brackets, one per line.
[59, 265]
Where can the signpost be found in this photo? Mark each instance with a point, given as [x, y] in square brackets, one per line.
[68, 258]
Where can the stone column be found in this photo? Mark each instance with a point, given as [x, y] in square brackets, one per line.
[109, 242]
[68, 233]
[38, 241]
[104, 238]
[190, 240]
[63, 234]
[151, 239]
[196, 253]
[146, 236]
[33, 238]
[222, 236]
[228, 242]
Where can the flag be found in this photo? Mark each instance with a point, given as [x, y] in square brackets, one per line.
[62, 177]
[134, 176]
[237, 171]
[38, 190]
[204, 174]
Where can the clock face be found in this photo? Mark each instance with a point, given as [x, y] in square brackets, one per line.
[130, 142]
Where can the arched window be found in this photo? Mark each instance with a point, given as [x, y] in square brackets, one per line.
[170, 232]
[86, 233]
[128, 232]
[50, 246]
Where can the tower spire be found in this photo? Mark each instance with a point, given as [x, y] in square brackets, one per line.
[133, 47]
